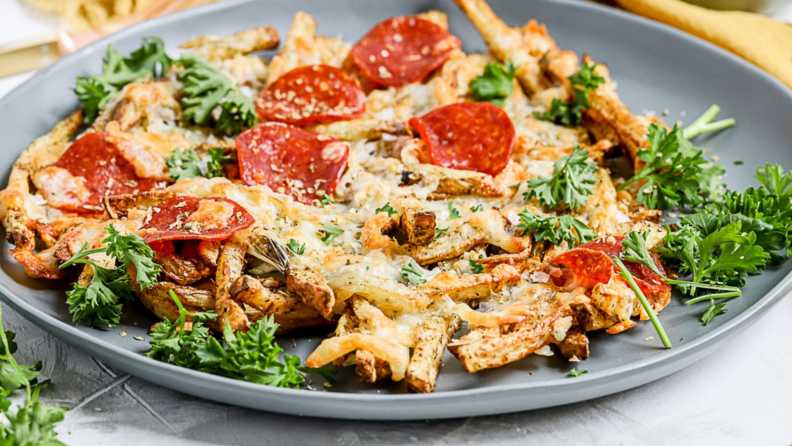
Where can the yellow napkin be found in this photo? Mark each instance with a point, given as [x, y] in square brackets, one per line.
[757, 39]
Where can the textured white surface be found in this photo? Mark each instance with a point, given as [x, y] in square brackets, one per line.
[740, 395]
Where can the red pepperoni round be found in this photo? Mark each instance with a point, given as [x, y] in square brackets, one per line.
[593, 263]
[314, 94]
[105, 171]
[192, 218]
[403, 50]
[467, 136]
[290, 160]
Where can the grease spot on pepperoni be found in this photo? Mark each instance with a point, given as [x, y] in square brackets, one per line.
[314, 94]
[476, 136]
[403, 50]
[192, 218]
[290, 160]
[105, 172]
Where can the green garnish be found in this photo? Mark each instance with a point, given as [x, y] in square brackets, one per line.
[184, 164]
[387, 209]
[478, 268]
[413, 273]
[573, 180]
[583, 83]
[205, 89]
[675, 173]
[439, 232]
[296, 247]
[217, 159]
[326, 200]
[251, 356]
[495, 84]
[704, 123]
[627, 276]
[453, 213]
[329, 232]
[556, 230]
[574, 372]
[476, 208]
[103, 298]
[34, 422]
[95, 92]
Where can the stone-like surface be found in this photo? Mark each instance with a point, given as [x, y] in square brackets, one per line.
[740, 395]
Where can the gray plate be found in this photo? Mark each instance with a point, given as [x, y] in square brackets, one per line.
[656, 67]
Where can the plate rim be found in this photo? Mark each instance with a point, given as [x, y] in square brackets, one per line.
[126, 359]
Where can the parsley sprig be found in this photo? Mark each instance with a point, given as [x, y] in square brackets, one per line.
[185, 164]
[556, 230]
[675, 173]
[102, 299]
[574, 373]
[330, 232]
[495, 85]
[583, 82]
[296, 247]
[95, 92]
[206, 89]
[573, 180]
[253, 356]
[453, 213]
[413, 273]
[32, 423]
[388, 209]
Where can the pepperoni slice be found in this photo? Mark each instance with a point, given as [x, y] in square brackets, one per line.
[403, 50]
[290, 160]
[314, 94]
[192, 218]
[467, 136]
[592, 262]
[91, 168]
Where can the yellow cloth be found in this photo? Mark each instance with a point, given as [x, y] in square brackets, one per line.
[757, 39]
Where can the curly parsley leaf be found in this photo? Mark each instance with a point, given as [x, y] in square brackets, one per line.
[413, 273]
[103, 298]
[495, 85]
[574, 373]
[206, 89]
[217, 159]
[477, 208]
[439, 231]
[388, 209]
[253, 356]
[184, 164]
[674, 171]
[296, 247]
[775, 181]
[330, 232]
[32, 423]
[95, 92]
[583, 82]
[556, 230]
[573, 180]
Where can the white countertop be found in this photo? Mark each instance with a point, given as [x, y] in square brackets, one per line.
[739, 395]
